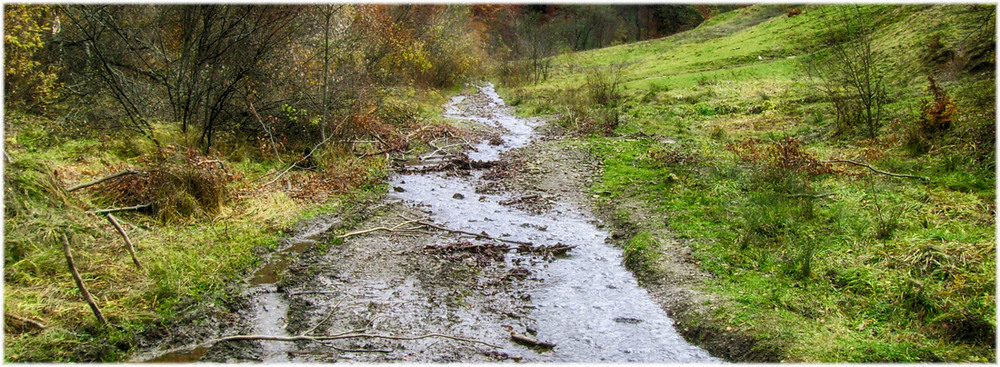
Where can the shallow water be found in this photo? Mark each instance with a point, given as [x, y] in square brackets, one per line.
[588, 304]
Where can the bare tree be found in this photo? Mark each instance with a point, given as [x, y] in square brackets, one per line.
[850, 72]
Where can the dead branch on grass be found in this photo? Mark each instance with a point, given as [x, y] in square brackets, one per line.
[102, 179]
[114, 210]
[873, 169]
[79, 283]
[311, 151]
[274, 145]
[811, 196]
[128, 242]
[34, 323]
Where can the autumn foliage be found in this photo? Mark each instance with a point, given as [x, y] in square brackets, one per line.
[940, 112]
[30, 78]
[786, 154]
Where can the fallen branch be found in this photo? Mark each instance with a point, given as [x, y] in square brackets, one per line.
[812, 196]
[128, 242]
[102, 179]
[383, 228]
[476, 235]
[35, 323]
[873, 169]
[435, 152]
[312, 292]
[114, 210]
[79, 283]
[320, 339]
[397, 227]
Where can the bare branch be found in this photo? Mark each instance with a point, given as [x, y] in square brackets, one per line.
[476, 235]
[873, 169]
[102, 179]
[79, 283]
[128, 242]
[114, 210]
[320, 339]
[34, 323]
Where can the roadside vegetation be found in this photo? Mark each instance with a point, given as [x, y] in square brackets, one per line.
[832, 168]
[206, 132]
[224, 139]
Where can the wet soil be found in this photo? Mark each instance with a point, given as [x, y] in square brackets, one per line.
[555, 281]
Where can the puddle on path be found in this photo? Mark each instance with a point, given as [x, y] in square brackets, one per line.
[588, 304]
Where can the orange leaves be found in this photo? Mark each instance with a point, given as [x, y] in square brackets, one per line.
[786, 154]
[940, 113]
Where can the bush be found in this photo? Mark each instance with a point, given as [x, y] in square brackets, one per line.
[940, 112]
[604, 85]
[851, 72]
[183, 185]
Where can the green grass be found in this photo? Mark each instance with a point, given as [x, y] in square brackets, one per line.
[193, 260]
[188, 260]
[878, 269]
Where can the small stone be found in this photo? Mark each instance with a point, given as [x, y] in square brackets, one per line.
[458, 196]
[398, 189]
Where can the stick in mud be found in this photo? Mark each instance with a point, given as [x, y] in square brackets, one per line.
[320, 339]
[476, 235]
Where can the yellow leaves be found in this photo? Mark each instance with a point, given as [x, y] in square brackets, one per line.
[28, 79]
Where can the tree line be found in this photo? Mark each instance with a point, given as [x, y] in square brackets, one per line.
[224, 74]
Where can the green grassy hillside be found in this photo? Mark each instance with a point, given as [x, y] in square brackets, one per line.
[720, 135]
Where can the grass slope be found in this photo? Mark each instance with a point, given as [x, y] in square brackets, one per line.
[811, 261]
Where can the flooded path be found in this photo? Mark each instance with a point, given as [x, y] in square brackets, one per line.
[424, 293]
[587, 303]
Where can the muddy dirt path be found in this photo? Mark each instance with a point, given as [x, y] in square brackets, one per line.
[553, 280]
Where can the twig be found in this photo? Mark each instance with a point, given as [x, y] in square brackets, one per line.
[901, 175]
[312, 292]
[325, 319]
[311, 151]
[113, 210]
[274, 146]
[348, 336]
[477, 235]
[128, 242]
[102, 179]
[35, 323]
[428, 156]
[79, 283]
[816, 196]
[383, 228]
[360, 350]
